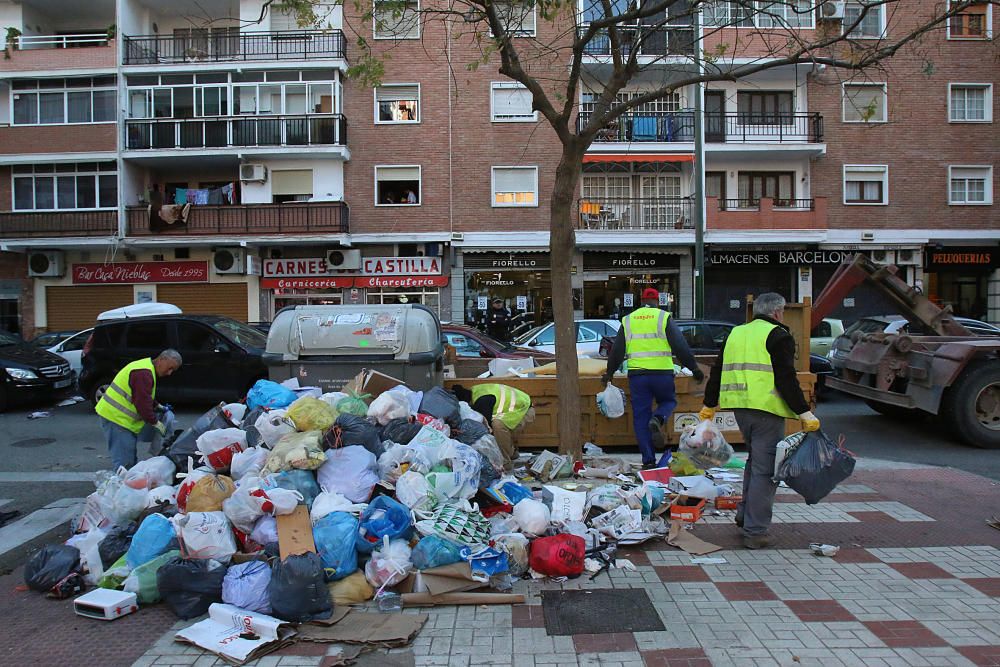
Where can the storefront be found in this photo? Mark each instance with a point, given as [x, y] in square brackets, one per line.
[960, 277]
[613, 281]
[522, 280]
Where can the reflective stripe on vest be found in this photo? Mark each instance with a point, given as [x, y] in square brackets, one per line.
[512, 403]
[747, 375]
[646, 344]
[116, 405]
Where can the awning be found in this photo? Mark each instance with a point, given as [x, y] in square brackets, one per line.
[638, 157]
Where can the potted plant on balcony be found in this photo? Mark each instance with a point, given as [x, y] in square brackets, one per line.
[11, 41]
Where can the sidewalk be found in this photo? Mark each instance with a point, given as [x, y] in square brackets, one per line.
[917, 582]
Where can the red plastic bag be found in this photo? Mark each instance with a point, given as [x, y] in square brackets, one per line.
[558, 556]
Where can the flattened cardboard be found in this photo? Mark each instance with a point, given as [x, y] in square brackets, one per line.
[427, 600]
[684, 539]
[453, 578]
[371, 382]
[336, 617]
[360, 627]
[295, 534]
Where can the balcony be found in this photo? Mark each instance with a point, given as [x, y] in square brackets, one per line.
[236, 131]
[766, 213]
[635, 213]
[38, 53]
[249, 219]
[736, 128]
[656, 42]
[230, 45]
[37, 224]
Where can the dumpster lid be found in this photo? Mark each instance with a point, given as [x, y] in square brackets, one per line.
[367, 330]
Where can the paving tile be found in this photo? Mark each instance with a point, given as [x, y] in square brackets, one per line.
[302, 649]
[855, 555]
[675, 573]
[614, 642]
[983, 656]
[825, 611]
[745, 590]
[904, 634]
[527, 616]
[691, 657]
[921, 571]
[987, 585]
[874, 516]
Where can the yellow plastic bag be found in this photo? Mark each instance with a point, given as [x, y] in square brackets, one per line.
[352, 589]
[296, 451]
[209, 492]
[312, 414]
[681, 465]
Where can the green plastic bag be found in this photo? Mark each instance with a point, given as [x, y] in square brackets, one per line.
[142, 580]
[354, 404]
[115, 575]
[735, 463]
[682, 466]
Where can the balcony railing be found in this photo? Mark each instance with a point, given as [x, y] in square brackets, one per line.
[23, 224]
[636, 213]
[225, 131]
[233, 46]
[27, 42]
[719, 128]
[291, 217]
[650, 41]
[754, 204]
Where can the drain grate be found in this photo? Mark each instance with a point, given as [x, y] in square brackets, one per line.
[599, 611]
[33, 442]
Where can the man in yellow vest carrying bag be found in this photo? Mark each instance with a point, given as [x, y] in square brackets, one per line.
[128, 405]
[754, 376]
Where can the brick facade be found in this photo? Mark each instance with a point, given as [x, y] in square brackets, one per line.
[21, 139]
[41, 60]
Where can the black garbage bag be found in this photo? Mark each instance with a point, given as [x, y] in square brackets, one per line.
[248, 425]
[351, 430]
[298, 589]
[116, 543]
[189, 587]
[816, 466]
[186, 444]
[469, 430]
[401, 431]
[441, 403]
[47, 568]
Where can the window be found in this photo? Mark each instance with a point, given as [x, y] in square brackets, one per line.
[510, 102]
[283, 18]
[972, 185]
[291, 185]
[773, 14]
[193, 338]
[872, 20]
[866, 184]
[972, 23]
[970, 103]
[147, 336]
[515, 186]
[764, 108]
[396, 19]
[864, 103]
[397, 103]
[518, 17]
[720, 13]
[776, 185]
[65, 187]
[398, 186]
[64, 101]
[464, 346]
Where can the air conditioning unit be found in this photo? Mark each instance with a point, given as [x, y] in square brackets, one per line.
[228, 260]
[832, 10]
[253, 172]
[343, 259]
[907, 258]
[883, 256]
[46, 264]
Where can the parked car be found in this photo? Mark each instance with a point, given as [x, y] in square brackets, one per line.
[822, 337]
[71, 349]
[47, 340]
[471, 342]
[222, 357]
[28, 372]
[589, 334]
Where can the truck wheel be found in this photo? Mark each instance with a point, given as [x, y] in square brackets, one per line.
[895, 411]
[972, 405]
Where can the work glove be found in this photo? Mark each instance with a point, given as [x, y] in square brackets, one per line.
[161, 428]
[809, 422]
[605, 379]
[706, 413]
[699, 376]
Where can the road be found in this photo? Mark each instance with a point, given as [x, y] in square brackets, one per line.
[45, 461]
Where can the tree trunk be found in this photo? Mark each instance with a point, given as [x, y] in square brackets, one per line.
[562, 241]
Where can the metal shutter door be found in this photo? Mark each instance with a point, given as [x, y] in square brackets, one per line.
[78, 307]
[229, 299]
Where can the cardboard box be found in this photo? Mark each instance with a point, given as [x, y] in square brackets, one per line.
[371, 382]
[295, 535]
[727, 502]
[687, 509]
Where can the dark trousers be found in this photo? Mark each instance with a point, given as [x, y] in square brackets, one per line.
[761, 433]
[643, 389]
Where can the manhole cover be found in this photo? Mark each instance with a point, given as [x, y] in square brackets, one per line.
[599, 611]
[33, 442]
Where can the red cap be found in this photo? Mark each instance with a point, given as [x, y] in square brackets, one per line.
[650, 294]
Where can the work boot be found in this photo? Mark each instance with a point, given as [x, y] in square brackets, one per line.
[739, 518]
[757, 541]
[656, 429]
[648, 466]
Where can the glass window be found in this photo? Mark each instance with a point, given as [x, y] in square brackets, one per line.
[866, 184]
[397, 186]
[50, 108]
[193, 337]
[44, 192]
[864, 103]
[146, 336]
[74, 343]
[79, 107]
[546, 336]
[515, 186]
[870, 17]
[970, 185]
[66, 191]
[971, 23]
[970, 103]
[764, 108]
[398, 103]
[518, 17]
[25, 108]
[511, 102]
[24, 193]
[464, 345]
[75, 187]
[397, 20]
[108, 190]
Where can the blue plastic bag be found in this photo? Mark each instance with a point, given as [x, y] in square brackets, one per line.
[155, 537]
[434, 551]
[245, 586]
[303, 481]
[334, 537]
[269, 395]
[485, 561]
[383, 516]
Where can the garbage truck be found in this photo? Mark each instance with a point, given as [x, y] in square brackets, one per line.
[948, 372]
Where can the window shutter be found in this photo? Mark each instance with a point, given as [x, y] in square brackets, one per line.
[398, 173]
[292, 182]
[512, 102]
[394, 93]
[283, 18]
[865, 173]
[514, 180]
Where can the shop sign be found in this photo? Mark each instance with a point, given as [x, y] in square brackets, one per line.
[780, 258]
[969, 258]
[315, 282]
[525, 261]
[401, 266]
[140, 272]
[401, 281]
[303, 267]
[623, 262]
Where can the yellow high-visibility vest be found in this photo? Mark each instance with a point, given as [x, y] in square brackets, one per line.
[747, 375]
[116, 405]
[646, 344]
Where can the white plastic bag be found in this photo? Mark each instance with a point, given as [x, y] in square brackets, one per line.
[565, 505]
[331, 501]
[611, 402]
[243, 509]
[413, 491]
[429, 441]
[413, 398]
[332, 398]
[278, 502]
[273, 426]
[235, 412]
[389, 564]
[388, 406]
[90, 555]
[205, 535]
[468, 413]
[217, 447]
[188, 480]
[532, 516]
[150, 473]
[399, 459]
[161, 495]
[248, 462]
[704, 444]
[463, 480]
[296, 451]
[265, 531]
[351, 471]
[119, 502]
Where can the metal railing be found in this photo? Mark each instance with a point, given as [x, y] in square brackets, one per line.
[666, 126]
[754, 204]
[650, 41]
[223, 131]
[636, 213]
[797, 204]
[231, 45]
[29, 42]
[21, 224]
[291, 217]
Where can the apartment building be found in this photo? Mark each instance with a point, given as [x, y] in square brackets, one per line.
[200, 155]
